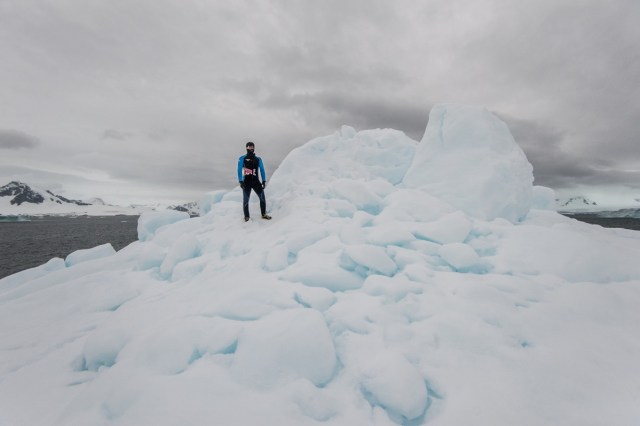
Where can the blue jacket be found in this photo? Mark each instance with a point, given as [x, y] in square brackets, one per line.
[242, 172]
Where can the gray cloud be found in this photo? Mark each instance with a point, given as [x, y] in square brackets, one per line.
[13, 139]
[554, 166]
[116, 135]
[199, 176]
[332, 109]
[191, 82]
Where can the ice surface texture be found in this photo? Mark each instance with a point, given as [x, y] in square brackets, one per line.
[469, 158]
[398, 283]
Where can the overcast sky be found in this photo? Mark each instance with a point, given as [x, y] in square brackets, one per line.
[153, 100]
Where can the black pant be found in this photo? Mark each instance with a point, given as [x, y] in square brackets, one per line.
[246, 191]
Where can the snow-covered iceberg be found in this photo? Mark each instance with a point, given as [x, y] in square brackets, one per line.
[398, 283]
[469, 158]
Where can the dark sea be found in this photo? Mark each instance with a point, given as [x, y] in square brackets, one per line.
[608, 222]
[25, 245]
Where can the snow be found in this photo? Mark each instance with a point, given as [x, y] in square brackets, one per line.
[284, 346]
[450, 228]
[150, 222]
[570, 250]
[543, 198]
[372, 258]
[85, 255]
[208, 200]
[372, 297]
[392, 382]
[460, 256]
[468, 158]
[31, 274]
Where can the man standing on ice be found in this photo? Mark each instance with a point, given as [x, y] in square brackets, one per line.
[248, 166]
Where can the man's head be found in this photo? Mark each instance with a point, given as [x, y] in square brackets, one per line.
[250, 148]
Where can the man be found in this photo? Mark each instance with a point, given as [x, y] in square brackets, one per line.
[248, 166]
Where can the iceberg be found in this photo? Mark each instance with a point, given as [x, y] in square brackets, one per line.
[469, 158]
[399, 282]
[85, 255]
[150, 222]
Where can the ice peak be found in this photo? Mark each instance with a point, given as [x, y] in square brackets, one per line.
[469, 158]
[21, 193]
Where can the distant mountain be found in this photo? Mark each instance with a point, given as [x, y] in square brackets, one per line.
[96, 201]
[23, 193]
[622, 207]
[19, 198]
[578, 202]
[192, 208]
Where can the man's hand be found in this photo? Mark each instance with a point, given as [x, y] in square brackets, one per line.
[242, 184]
[264, 184]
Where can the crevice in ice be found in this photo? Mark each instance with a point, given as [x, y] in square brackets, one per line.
[299, 300]
[443, 116]
[115, 307]
[109, 413]
[238, 316]
[433, 393]
[195, 355]
[81, 381]
[79, 364]
[231, 349]
[525, 344]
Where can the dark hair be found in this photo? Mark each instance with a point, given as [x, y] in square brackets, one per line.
[249, 144]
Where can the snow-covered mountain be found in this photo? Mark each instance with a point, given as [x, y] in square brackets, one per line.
[193, 208]
[578, 202]
[398, 283]
[605, 208]
[19, 198]
[96, 201]
[18, 193]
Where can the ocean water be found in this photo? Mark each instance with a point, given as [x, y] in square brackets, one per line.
[25, 245]
[607, 222]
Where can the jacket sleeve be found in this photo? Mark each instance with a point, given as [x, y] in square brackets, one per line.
[262, 172]
[240, 165]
